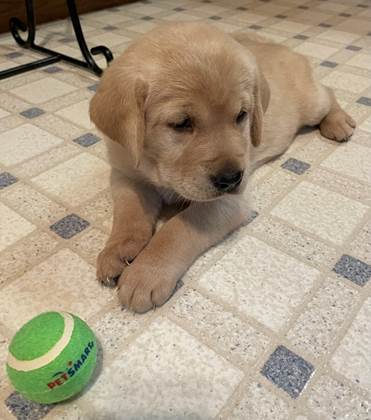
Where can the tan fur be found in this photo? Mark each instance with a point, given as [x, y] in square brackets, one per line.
[194, 70]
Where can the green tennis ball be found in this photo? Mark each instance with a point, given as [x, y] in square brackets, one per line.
[52, 357]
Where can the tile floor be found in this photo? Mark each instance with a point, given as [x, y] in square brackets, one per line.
[241, 339]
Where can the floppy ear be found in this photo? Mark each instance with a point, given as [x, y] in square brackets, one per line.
[117, 109]
[261, 101]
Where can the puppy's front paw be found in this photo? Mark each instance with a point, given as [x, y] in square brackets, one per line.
[117, 255]
[141, 287]
[338, 126]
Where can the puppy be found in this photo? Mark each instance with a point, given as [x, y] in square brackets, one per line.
[188, 112]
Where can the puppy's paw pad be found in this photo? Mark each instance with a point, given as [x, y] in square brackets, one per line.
[338, 126]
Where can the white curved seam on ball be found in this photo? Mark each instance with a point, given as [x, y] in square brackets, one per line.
[27, 365]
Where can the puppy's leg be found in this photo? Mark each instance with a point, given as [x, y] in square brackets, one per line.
[135, 210]
[152, 277]
[337, 124]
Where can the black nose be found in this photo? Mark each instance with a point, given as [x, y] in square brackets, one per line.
[227, 181]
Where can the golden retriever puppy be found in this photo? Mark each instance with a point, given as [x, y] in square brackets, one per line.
[188, 112]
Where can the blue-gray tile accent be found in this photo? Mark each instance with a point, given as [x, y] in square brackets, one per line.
[252, 216]
[23, 409]
[242, 8]
[87, 140]
[288, 371]
[147, 18]
[296, 166]
[353, 269]
[345, 14]
[53, 69]
[256, 27]
[215, 17]
[364, 100]
[14, 54]
[32, 112]
[303, 7]
[179, 9]
[110, 28]
[302, 37]
[7, 179]
[325, 25]
[69, 226]
[93, 87]
[330, 64]
[353, 48]
[281, 16]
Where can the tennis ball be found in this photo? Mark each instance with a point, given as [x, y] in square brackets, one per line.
[52, 357]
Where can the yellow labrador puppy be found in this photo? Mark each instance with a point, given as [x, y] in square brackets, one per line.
[189, 112]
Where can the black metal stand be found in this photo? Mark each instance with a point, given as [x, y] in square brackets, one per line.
[53, 56]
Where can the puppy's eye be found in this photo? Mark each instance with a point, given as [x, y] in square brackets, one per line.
[241, 116]
[184, 125]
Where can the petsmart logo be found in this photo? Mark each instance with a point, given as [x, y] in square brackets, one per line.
[72, 368]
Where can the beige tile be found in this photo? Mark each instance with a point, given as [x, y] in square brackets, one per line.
[27, 140]
[175, 377]
[342, 184]
[89, 244]
[361, 60]
[24, 254]
[3, 354]
[109, 39]
[346, 81]
[33, 205]
[361, 245]
[250, 18]
[243, 279]
[333, 7]
[315, 50]
[100, 208]
[330, 398]
[43, 90]
[316, 327]
[288, 26]
[110, 17]
[12, 227]
[87, 176]
[46, 161]
[327, 214]
[142, 27]
[366, 125]
[62, 282]
[353, 354]
[181, 17]
[338, 36]
[58, 126]
[9, 122]
[233, 337]
[351, 159]
[3, 113]
[258, 402]
[296, 242]
[145, 9]
[210, 8]
[77, 113]
[11, 103]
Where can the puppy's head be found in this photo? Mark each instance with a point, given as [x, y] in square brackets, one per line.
[186, 101]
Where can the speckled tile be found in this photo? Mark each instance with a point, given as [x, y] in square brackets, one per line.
[98, 209]
[42, 90]
[353, 269]
[353, 354]
[23, 409]
[235, 338]
[32, 204]
[64, 281]
[298, 167]
[315, 50]
[13, 227]
[7, 179]
[296, 242]
[318, 324]
[361, 244]
[88, 176]
[346, 81]
[327, 214]
[258, 402]
[3, 353]
[28, 140]
[69, 226]
[244, 280]
[338, 36]
[288, 371]
[24, 254]
[78, 114]
[189, 379]
[330, 398]
[352, 160]
[89, 244]
[58, 126]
